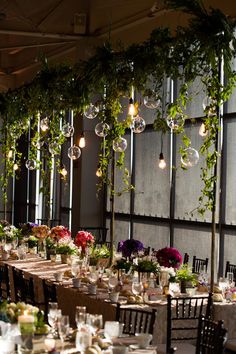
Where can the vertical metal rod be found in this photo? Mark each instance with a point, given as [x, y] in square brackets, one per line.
[131, 174]
[112, 203]
[71, 175]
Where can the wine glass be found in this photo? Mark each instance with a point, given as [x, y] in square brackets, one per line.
[137, 287]
[63, 328]
[53, 314]
[230, 279]
[80, 316]
[75, 269]
[112, 281]
[95, 322]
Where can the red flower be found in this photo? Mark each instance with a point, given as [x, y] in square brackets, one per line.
[83, 239]
[59, 232]
[169, 257]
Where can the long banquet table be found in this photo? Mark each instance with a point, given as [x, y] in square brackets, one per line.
[69, 297]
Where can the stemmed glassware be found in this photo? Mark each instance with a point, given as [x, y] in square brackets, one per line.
[80, 316]
[137, 287]
[53, 316]
[63, 328]
[230, 279]
[112, 281]
[95, 322]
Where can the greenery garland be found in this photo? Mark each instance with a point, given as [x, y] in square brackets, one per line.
[192, 52]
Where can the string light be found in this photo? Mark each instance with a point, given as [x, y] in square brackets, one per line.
[10, 154]
[99, 172]
[162, 163]
[15, 167]
[64, 172]
[82, 141]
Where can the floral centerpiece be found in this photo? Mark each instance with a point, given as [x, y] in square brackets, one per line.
[185, 277]
[130, 247]
[169, 257]
[8, 231]
[147, 266]
[59, 232]
[100, 255]
[40, 231]
[66, 246]
[83, 240]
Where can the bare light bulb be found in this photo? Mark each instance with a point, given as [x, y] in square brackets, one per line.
[64, 172]
[131, 109]
[82, 142]
[15, 167]
[99, 173]
[162, 163]
[10, 154]
[202, 130]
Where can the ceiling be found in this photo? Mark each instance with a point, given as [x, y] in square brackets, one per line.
[66, 30]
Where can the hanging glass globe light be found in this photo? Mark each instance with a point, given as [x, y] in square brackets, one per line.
[30, 164]
[152, 101]
[54, 148]
[176, 122]
[190, 158]
[138, 124]
[101, 129]
[74, 152]
[44, 124]
[68, 130]
[91, 111]
[119, 144]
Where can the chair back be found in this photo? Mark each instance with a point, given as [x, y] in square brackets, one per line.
[211, 336]
[230, 268]
[24, 287]
[4, 282]
[183, 315]
[135, 320]
[50, 293]
[186, 258]
[198, 264]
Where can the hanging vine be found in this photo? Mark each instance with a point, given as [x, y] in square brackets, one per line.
[192, 52]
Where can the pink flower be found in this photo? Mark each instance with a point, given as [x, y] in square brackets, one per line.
[58, 232]
[84, 239]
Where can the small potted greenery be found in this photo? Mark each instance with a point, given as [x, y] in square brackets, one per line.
[100, 256]
[66, 248]
[186, 278]
[146, 266]
[32, 244]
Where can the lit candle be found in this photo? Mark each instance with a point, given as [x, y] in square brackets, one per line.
[50, 344]
[26, 323]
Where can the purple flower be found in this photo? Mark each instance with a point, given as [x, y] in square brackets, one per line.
[130, 246]
[169, 257]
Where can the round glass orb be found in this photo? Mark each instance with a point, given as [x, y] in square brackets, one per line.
[54, 148]
[67, 130]
[152, 101]
[119, 144]
[101, 129]
[138, 124]
[91, 111]
[30, 164]
[176, 122]
[44, 124]
[74, 152]
[191, 157]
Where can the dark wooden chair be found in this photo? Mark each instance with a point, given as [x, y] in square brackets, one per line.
[4, 282]
[183, 314]
[50, 294]
[211, 336]
[199, 264]
[230, 268]
[135, 320]
[186, 258]
[24, 287]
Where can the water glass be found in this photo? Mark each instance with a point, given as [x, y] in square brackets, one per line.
[95, 321]
[112, 281]
[83, 340]
[63, 327]
[230, 279]
[137, 287]
[80, 315]
[111, 329]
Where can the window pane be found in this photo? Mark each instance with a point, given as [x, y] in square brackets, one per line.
[154, 236]
[121, 231]
[196, 242]
[230, 169]
[230, 246]
[188, 183]
[151, 183]
[197, 92]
